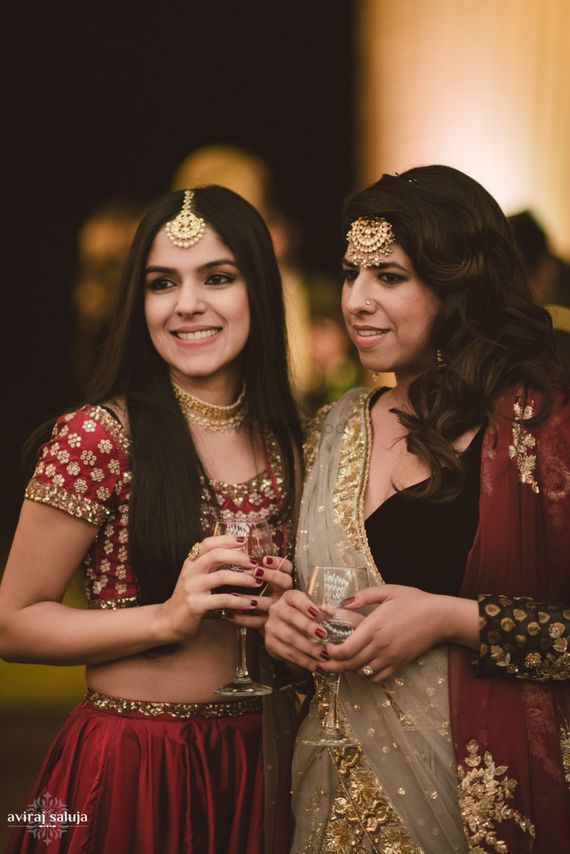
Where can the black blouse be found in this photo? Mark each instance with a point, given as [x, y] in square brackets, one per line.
[422, 543]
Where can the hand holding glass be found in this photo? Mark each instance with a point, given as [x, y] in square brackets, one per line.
[328, 587]
[258, 543]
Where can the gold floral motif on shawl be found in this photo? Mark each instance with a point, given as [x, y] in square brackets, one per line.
[522, 444]
[361, 817]
[483, 800]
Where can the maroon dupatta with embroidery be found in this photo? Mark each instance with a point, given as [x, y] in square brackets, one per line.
[511, 735]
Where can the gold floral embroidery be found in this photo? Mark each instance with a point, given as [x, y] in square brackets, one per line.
[75, 505]
[360, 810]
[314, 432]
[522, 443]
[565, 748]
[483, 801]
[523, 638]
[112, 426]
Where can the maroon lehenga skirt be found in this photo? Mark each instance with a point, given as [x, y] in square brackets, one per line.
[126, 776]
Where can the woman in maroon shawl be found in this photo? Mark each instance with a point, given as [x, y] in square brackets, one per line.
[453, 488]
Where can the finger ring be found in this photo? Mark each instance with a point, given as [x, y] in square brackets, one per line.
[367, 671]
[194, 552]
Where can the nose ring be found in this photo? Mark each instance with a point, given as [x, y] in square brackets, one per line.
[368, 302]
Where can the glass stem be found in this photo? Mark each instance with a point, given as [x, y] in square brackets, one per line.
[331, 718]
[241, 669]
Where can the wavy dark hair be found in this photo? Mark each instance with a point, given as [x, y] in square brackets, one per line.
[164, 516]
[490, 331]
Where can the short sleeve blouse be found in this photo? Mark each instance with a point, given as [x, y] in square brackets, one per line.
[84, 469]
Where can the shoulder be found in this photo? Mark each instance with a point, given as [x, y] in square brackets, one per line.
[91, 426]
[84, 467]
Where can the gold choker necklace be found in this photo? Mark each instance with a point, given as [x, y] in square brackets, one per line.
[211, 415]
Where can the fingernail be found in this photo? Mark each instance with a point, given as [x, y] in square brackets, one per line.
[268, 561]
[347, 601]
[259, 573]
[312, 611]
[253, 561]
[325, 656]
[320, 633]
[240, 539]
[253, 603]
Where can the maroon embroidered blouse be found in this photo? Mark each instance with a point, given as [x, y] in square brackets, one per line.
[84, 470]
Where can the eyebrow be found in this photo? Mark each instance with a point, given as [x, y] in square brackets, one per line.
[219, 262]
[380, 266]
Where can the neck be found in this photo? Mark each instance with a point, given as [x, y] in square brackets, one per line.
[220, 390]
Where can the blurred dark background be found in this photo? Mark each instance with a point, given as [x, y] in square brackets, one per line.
[106, 104]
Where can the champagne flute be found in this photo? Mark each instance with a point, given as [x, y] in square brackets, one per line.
[328, 587]
[259, 542]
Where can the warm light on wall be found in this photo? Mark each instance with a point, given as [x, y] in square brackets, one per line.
[482, 86]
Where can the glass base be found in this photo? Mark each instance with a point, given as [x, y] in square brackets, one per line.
[245, 688]
[329, 738]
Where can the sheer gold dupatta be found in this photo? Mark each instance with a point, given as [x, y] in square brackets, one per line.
[398, 791]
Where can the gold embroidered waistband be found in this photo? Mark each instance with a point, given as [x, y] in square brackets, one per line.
[179, 711]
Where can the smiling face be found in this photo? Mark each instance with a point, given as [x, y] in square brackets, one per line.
[197, 310]
[389, 313]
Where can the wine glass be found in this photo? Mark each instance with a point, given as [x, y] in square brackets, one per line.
[258, 543]
[328, 587]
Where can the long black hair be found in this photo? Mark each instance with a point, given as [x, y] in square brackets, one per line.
[490, 332]
[164, 516]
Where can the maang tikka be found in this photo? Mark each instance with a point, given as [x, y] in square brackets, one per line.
[370, 239]
[186, 228]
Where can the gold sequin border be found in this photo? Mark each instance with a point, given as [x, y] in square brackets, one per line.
[313, 435]
[113, 604]
[177, 711]
[353, 468]
[75, 505]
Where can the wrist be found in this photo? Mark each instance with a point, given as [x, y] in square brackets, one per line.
[161, 627]
[459, 621]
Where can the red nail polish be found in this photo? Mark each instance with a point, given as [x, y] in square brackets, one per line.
[312, 611]
[320, 633]
[268, 561]
[240, 539]
[259, 573]
[253, 603]
[347, 601]
[253, 561]
[325, 656]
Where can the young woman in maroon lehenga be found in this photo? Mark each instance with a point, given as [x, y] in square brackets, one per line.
[192, 421]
